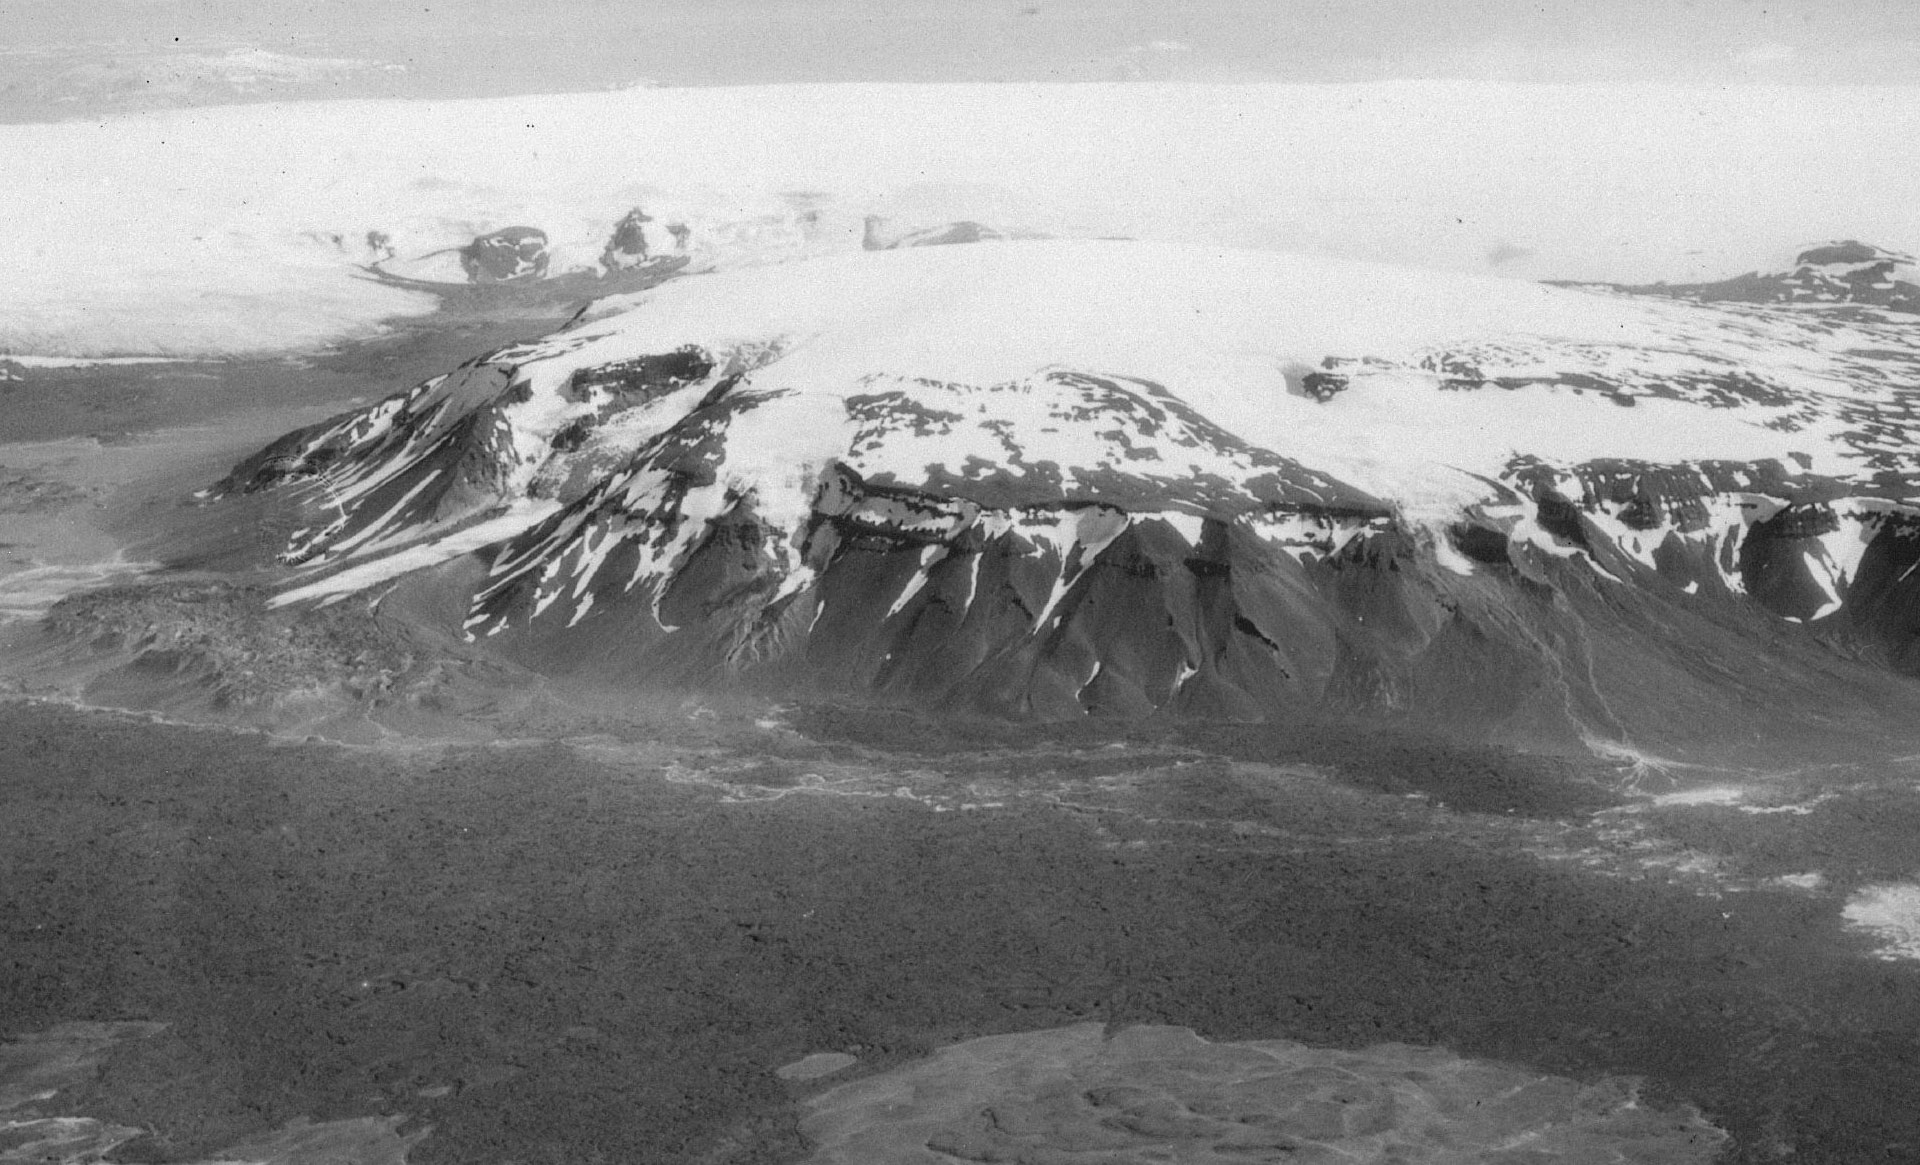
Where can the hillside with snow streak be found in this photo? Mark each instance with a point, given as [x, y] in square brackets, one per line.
[1062, 478]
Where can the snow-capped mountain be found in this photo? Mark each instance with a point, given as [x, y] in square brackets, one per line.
[1842, 272]
[1052, 478]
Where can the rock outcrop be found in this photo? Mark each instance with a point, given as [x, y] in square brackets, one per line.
[875, 237]
[630, 245]
[1836, 273]
[506, 256]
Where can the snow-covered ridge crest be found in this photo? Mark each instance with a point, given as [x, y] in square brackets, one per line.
[486, 433]
[999, 352]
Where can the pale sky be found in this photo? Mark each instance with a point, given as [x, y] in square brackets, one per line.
[71, 57]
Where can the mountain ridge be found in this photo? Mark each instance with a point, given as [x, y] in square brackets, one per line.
[1835, 273]
[1064, 479]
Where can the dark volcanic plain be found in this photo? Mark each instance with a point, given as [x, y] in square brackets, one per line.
[595, 940]
[600, 951]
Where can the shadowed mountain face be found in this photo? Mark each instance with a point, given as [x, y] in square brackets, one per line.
[1056, 480]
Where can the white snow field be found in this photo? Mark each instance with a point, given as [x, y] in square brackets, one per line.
[1222, 330]
[236, 229]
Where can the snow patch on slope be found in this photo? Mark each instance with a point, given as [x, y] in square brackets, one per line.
[467, 540]
[1891, 913]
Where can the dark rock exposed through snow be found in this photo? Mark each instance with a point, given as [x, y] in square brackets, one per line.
[506, 256]
[1836, 273]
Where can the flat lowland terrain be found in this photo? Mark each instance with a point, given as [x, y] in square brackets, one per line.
[600, 950]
